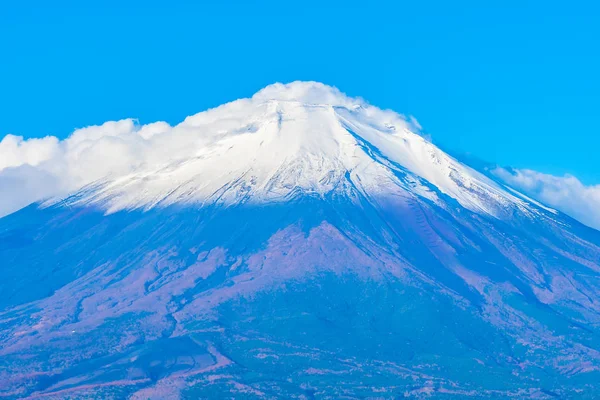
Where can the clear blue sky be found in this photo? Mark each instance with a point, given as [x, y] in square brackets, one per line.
[517, 84]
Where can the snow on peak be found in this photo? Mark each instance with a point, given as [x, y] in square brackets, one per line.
[301, 138]
[306, 93]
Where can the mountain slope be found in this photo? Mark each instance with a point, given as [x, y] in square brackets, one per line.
[298, 244]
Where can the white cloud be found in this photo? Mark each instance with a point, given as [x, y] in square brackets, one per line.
[15, 151]
[23, 185]
[565, 193]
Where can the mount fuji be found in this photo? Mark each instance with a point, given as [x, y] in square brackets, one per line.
[296, 244]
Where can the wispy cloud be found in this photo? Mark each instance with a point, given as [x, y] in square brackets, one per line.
[565, 193]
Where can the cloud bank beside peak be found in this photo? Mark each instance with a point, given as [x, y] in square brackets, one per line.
[565, 193]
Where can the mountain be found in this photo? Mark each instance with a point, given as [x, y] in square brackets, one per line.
[298, 244]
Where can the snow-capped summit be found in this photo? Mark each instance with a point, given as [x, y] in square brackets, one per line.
[307, 92]
[302, 138]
